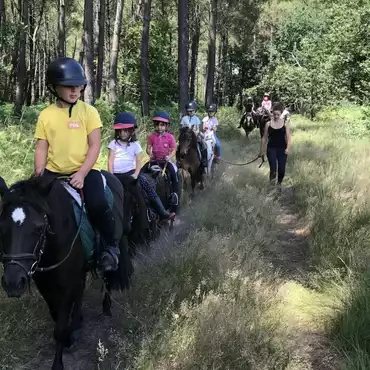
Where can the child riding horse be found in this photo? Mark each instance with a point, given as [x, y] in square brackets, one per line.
[161, 148]
[125, 159]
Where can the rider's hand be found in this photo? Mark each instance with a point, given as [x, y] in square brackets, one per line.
[39, 171]
[134, 175]
[77, 180]
[286, 151]
[167, 158]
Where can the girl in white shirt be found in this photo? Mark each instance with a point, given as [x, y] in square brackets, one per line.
[124, 159]
[210, 122]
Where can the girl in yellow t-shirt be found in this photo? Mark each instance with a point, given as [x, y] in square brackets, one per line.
[68, 143]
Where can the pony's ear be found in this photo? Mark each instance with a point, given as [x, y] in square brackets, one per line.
[3, 187]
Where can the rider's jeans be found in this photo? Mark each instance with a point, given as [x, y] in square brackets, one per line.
[96, 205]
[174, 179]
[217, 146]
[277, 161]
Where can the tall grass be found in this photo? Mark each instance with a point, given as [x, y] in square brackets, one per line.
[330, 169]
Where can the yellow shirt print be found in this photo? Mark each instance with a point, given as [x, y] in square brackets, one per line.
[67, 136]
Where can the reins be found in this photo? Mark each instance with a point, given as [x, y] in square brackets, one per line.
[52, 267]
[247, 163]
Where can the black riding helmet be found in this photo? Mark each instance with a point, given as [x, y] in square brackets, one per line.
[212, 108]
[65, 72]
[192, 105]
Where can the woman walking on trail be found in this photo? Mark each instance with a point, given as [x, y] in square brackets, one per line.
[278, 138]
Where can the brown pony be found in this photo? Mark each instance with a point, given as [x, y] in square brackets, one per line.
[188, 156]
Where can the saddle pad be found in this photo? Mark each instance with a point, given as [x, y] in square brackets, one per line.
[87, 232]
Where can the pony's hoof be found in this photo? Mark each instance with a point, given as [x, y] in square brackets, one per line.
[75, 336]
[57, 366]
[201, 186]
[107, 312]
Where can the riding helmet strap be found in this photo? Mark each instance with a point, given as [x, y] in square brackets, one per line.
[53, 91]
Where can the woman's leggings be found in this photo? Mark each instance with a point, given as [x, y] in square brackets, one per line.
[277, 161]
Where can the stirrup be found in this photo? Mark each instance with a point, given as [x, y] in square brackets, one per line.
[174, 196]
[114, 259]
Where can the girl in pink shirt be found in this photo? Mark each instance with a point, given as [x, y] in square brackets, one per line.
[161, 146]
[266, 102]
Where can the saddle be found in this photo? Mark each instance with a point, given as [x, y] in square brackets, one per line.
[89, 237]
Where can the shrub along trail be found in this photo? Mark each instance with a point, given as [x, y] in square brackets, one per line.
[230, 288]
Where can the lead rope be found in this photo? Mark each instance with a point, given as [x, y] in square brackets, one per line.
[245, 164]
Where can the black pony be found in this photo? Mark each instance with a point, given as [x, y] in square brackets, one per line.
[248, 122]
[157, 174]
[262, 116]
[40, 238]
[141, 223]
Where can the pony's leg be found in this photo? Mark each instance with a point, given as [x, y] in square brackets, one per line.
[193, 183]
[201, 187]
[76, 318]
[209, 170]
[62, 332]
[107, 301]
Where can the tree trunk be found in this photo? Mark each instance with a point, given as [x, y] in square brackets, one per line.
[32, 46]
[82, 48]
[74, 48]
[194, 52]
[34, 87]
[183, 36]
[222, 69]
[89, 52]
[21, 82]
[96, 25]
[114, 54]
[211, 66]
[99, 72]
[2, 16]
[61, 28]
[144, 59]
[43, 80]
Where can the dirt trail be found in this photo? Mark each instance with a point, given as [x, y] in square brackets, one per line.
[291, 257]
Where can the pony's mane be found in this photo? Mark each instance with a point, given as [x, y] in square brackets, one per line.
[186, 131]
[32, 191]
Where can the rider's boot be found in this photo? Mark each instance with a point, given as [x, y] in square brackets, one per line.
[159, 208]
[110, 256]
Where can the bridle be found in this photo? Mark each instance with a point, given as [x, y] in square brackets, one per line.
[188, 137]
[38, 251]
[35, 256]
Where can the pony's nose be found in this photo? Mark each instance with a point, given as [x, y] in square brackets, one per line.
[14, 285]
